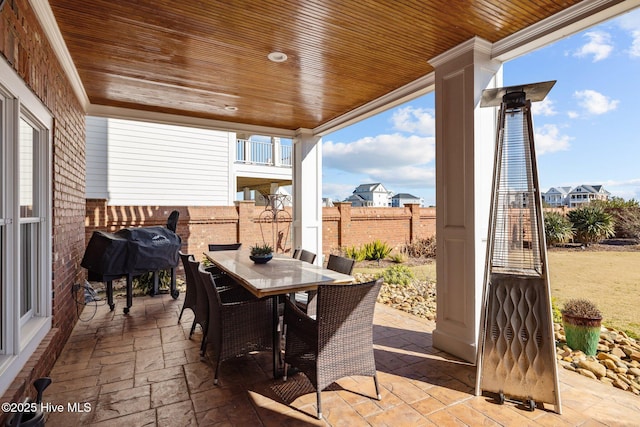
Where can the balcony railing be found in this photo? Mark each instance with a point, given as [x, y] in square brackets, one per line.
[263, 153]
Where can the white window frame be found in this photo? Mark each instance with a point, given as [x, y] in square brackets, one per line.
[20, 338]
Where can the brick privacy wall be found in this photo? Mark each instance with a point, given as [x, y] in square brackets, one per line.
[342, 226]
[24, 45]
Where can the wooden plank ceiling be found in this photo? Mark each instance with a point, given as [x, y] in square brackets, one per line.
[206, 58]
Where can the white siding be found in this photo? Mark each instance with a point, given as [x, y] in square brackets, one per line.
[97, 176]
[158, 164]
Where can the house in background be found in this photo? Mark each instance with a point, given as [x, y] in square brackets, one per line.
[572, 198]
[401, 199]
[556, 196]
[135, 163]
[586, 193]
[370, 195]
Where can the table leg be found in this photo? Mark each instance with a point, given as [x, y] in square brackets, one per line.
[278, 366]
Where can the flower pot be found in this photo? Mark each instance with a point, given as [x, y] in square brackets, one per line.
[582, 333]
[261, 259]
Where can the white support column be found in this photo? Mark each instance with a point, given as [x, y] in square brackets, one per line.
[275, 151]
[307, 192]
[465, 141]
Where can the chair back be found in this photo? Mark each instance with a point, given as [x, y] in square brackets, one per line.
[341, 264]
[190, 296]
[202, 308]
[296, 253]
[343, 309]
[224, 247]
[307, 256]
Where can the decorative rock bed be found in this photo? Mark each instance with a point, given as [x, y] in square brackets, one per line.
[616, 363]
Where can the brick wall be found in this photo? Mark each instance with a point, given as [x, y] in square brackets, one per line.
[342, 226]
[24, 45]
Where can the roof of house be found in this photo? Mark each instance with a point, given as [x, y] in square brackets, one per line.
[405, 196]
[561, 190]
[591, 188]
[365, 188]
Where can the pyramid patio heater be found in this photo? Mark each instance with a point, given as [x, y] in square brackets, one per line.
[516, 357]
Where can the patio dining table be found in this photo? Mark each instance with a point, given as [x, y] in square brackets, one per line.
[282, 275]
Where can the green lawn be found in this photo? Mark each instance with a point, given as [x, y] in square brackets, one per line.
[611, 279]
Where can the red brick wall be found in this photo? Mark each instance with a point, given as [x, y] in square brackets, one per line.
[342, 226]
[24, 45]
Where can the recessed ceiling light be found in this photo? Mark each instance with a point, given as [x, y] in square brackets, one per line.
[277, 56]
[230, 108]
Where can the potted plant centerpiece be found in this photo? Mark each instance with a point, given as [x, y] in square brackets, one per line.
[582, 320]
[261, 254]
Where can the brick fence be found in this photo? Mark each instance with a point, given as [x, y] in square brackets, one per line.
[342, 225]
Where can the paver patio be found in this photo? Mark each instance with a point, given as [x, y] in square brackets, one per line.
[141, 369]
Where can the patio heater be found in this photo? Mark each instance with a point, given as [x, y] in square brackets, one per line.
[516, 357]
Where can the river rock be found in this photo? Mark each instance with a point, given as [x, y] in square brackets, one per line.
[587, 373]
[598, 369]
[620, 384]
[617, 351]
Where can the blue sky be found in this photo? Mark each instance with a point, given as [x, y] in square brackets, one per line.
[587, 130]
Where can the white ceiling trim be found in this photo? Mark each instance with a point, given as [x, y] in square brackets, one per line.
[180, 120]
[52, 31]
[406, 93]
[563, 24]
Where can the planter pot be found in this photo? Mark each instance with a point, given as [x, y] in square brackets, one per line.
[261, 259]
[582, 333]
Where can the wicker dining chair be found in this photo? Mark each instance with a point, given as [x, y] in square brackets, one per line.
[202, 307]
[191, 295]
[336, 263]
[224, 246]
[339, 341]
[239, 323]
[307, 256]
[218, 274]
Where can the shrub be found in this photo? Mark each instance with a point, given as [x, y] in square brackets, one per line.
[376, 250]
[591, 224]
[557, 228]
[421, 248]
[398, 275]
[555, 310]
[580, 307]
[398, 258]
[354, 253]
[626, 222]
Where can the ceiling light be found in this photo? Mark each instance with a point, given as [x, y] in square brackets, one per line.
[277, 56]
[230, 108]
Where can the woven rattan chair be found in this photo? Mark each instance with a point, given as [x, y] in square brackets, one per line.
[224, 246]
[202, 306]
[307, 256]
[239, 323]
[191, 294]
[220, 276]
[336, 263]
[339, 341]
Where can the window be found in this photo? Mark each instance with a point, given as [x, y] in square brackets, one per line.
[25, 218]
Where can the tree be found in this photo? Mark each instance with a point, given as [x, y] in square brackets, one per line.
[557, 228]
[591, 224]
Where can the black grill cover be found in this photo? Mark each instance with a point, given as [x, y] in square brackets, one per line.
[132, 251]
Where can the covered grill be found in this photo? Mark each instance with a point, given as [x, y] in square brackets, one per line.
[131, 252]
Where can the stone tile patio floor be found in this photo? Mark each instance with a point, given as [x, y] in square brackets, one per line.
[141, 369]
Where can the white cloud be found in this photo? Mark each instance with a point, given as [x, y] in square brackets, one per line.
[337, 191]
[573, 114]
[599, 46]
[595, 102]
[419, 121]
[548, 139]
[631, 23]
[543, 108]
[380, 152]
